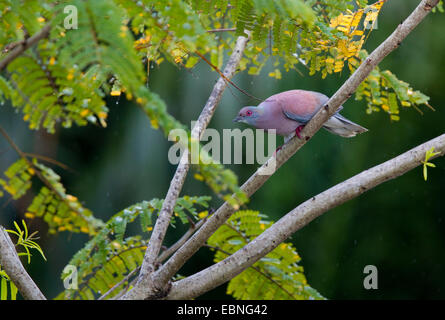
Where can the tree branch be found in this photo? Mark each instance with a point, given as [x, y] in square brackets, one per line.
[299, 217]
[222, 30]
[24, 45]
[164, 255]
[144, 282]
[172, 266]
[9, 260]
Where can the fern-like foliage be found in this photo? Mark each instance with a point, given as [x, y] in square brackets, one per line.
[382, 90]
[19, 176]
[342, 42]
[111, 255]
[275, 276]
[19, 18]
[47, 93]
[101, 39]
[62, 211]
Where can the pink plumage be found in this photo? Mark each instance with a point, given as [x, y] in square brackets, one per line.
[287, 112]
[300, 102]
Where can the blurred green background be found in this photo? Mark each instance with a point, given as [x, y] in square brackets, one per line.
[398, 226]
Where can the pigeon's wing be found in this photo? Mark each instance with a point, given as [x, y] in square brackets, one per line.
[300, 119]
[301, 105]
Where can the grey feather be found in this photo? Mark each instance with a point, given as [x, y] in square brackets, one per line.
[300, 119]
[339, 125]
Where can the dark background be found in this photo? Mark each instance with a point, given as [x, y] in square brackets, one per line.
[398, 226]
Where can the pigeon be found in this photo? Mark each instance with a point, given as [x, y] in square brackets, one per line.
[288, 112]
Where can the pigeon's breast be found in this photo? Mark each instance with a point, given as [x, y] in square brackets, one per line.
[274, 118]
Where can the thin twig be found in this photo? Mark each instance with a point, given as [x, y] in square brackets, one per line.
[225, 78]
[49, 160]
[40, 175]
[169, 251]
[172, 249]
[25, 44]
[222, 30]
[117, 285]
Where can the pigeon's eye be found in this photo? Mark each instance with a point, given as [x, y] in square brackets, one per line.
[248, 113]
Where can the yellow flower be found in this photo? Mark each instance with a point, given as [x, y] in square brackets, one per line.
[84, 113]
[102, 115]
[70, 197]
[85, 230]
[11, 190]
[154, 123]
[57, 219]
[29, 215]
[203, 214]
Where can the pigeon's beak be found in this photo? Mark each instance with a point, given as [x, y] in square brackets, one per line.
[238, 119]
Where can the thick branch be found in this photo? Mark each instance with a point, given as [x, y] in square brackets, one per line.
[10, 262]
[177, 182]
[264, 172]
[225, 270]
[24, 45]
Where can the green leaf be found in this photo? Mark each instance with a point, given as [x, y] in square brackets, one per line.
[13, 290]
[275, 276]
[4, 289]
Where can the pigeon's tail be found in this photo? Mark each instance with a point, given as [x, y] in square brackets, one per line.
[339, 125]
